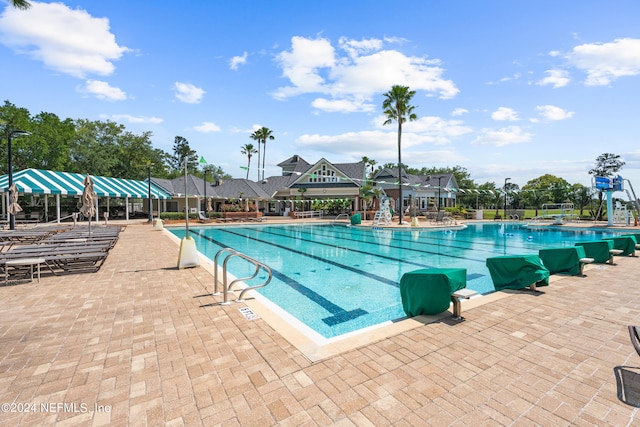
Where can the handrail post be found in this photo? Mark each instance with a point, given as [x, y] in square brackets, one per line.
[226, 287]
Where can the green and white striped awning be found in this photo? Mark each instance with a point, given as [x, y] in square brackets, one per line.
[38, 181]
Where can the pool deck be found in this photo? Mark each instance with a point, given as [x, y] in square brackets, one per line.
[141, 343]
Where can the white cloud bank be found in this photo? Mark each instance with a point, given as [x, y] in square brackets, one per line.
[505, 114]
[188, 93]
[351, 73]
[207, 127]
[102, 90]
[70, 41]
[606, 62]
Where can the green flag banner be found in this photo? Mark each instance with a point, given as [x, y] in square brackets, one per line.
[202, 160]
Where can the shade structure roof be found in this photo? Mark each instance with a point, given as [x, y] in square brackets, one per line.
[38, 181]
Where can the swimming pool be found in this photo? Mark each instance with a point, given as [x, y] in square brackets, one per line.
[336, 279]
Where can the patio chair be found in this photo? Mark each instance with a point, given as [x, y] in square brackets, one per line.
[203, 218]
[634, 333]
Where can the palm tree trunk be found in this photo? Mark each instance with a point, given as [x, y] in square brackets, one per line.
[258, 160]
[264, 152]
[401, 207]
[248, 166]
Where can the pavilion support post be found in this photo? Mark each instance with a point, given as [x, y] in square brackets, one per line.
[58, 207]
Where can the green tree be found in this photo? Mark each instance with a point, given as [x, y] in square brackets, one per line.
[580, 196]
[248, 150]
[94, 147]
[545, 189]
[261, 135]
[181, 152]
[607, 164]
[397, 107]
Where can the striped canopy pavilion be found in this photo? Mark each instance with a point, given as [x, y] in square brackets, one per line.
[38, 181]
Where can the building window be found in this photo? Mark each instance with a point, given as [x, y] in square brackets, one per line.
[323, 174]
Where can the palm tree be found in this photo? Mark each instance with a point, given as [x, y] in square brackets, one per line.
[248, 150]
[261, 135]
[397, 108]
[369, 162]
[21, 4]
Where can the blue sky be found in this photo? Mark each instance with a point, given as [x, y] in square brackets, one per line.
[511, 89]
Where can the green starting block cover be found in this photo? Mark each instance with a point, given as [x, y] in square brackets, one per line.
[626, 243]
[428, 291]
[517, 271]
[564, 260]
[356, 219]
[597, 249]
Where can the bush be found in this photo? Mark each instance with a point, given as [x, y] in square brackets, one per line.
[176, 216]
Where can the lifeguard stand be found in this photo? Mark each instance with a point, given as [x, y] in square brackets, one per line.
[609, 185]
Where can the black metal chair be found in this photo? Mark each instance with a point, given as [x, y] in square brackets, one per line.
[634, 333]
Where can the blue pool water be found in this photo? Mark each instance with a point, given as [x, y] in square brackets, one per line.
[337, 279]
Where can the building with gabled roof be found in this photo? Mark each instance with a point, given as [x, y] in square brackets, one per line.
[275, 195]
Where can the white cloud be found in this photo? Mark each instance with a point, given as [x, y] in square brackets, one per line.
[459, 112]
[188, 93]
[67, 40]
[342, 105]
[505, 114]
[354, 72]
[102, 90]
[505, 136]
[238, 60]
[551, 112]
[136, 119]
[555, 78]
[605, 62]
[207, 127]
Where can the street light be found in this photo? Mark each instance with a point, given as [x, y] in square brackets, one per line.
[150, 220]
[12, 218]
[505, 198]
[439, 187]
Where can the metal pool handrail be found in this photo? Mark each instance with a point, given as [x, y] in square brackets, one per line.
[342, 214]
[233, 253]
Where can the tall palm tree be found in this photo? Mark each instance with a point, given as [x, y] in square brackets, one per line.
[261, 135]
[256, 137]
[396, 106]
[248, 150]
[21, 4]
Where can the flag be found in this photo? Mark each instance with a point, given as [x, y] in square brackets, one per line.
[244, 167]
[202, 160]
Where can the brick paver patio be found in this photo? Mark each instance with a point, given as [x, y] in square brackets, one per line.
[137, 344]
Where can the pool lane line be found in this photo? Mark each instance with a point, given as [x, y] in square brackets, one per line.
[372, 254]
[317, 258]
[496, 247]
[339, 314]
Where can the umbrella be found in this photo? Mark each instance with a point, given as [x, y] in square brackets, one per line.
[88, 208]
[14, 207]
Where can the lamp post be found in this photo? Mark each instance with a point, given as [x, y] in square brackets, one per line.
[12, 218]
[505, 198]
[150, 220]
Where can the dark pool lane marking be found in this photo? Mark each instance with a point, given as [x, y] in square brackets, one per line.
[339, 314]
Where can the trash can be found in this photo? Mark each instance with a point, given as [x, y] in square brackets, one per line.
[356, 219]
[479, 214]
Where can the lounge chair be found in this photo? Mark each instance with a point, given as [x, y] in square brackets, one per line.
[634, 334]
[203, 218]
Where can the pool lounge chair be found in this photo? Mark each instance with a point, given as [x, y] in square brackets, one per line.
[634, 334]
[203, 218]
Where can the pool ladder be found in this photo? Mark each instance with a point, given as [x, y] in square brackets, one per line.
[226, 288]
